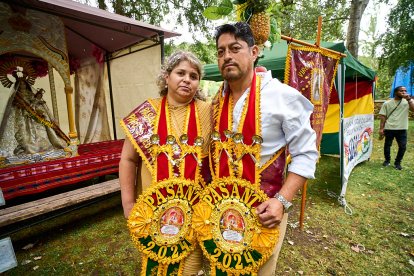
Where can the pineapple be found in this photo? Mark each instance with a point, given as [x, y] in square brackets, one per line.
[260, 20]
[260, 25]
[257, 13]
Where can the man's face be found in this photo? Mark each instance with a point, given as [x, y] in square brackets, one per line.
[402, 92]
[235, 58]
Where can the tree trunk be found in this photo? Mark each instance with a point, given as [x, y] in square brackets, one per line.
[356, 11]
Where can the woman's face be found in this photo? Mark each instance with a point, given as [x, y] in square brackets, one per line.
[182, 83]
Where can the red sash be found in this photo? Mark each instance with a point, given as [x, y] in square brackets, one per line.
[164, 128]
[250, 125]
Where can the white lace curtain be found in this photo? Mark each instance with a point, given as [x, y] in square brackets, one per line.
[91, 116]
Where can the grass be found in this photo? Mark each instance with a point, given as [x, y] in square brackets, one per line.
[377, 239]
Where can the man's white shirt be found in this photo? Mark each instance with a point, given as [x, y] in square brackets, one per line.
[285, 120]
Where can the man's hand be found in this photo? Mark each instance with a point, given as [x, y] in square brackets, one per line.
[270, 212]
[381, 131]
[406, 96]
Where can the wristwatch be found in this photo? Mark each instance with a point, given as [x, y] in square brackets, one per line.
[287, 206]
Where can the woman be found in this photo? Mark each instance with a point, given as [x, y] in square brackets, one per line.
[148, 126]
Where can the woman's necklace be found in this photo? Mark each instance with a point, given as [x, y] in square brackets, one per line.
[179, 112]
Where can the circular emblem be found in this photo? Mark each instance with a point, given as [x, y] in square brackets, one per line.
[228, 228]
[366, 140]
[160, 221]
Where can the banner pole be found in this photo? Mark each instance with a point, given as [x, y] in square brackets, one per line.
[319, 32]
[303, 202]
[302, 207]
[291, 39]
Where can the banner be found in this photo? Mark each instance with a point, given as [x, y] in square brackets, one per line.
[311, 71]
[357, 99]
[358, 131]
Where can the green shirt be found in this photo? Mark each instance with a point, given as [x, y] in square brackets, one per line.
[398, 118]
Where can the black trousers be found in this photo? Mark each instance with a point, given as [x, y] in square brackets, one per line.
[400, 136]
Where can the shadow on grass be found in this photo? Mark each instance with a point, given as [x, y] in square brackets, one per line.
[56, 228]
[327, 179]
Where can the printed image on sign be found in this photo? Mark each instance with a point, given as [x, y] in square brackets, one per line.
[171, 222]
[358, 132]
[232, 226]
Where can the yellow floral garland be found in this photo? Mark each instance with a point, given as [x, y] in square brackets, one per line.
[147, 219]
[238, 196]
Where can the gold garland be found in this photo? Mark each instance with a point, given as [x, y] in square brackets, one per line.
[160, 221]
[20, 102]
[238, 150]
[243, 247]
[229, 204]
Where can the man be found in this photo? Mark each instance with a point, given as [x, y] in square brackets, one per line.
[284, 122]
[394, 124]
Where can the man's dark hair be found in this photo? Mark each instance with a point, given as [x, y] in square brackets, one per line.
[240, 30]
[397, 88]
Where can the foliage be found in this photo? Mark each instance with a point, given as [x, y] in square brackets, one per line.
[370, 44]
[182, 12]
[206, 52]
[398, 41]
[300, 19]
[384, 83]
[242, 10]
[293, 18]
[375, 240]
[369, 47]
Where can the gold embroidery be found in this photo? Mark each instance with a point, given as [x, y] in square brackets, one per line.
[226, 215]
[162, 215]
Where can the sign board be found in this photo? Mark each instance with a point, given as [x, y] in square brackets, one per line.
[2, 201]
[8, 258]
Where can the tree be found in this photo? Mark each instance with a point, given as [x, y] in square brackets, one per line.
[188, 12]
[370, 44]
[356, 11]
[206, 52]
[299, 19]
[398, 41]
[370, 58]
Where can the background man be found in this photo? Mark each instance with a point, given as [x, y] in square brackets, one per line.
[285, 121]
[394, 124]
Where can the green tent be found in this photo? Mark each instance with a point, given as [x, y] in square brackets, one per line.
[274, 59]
